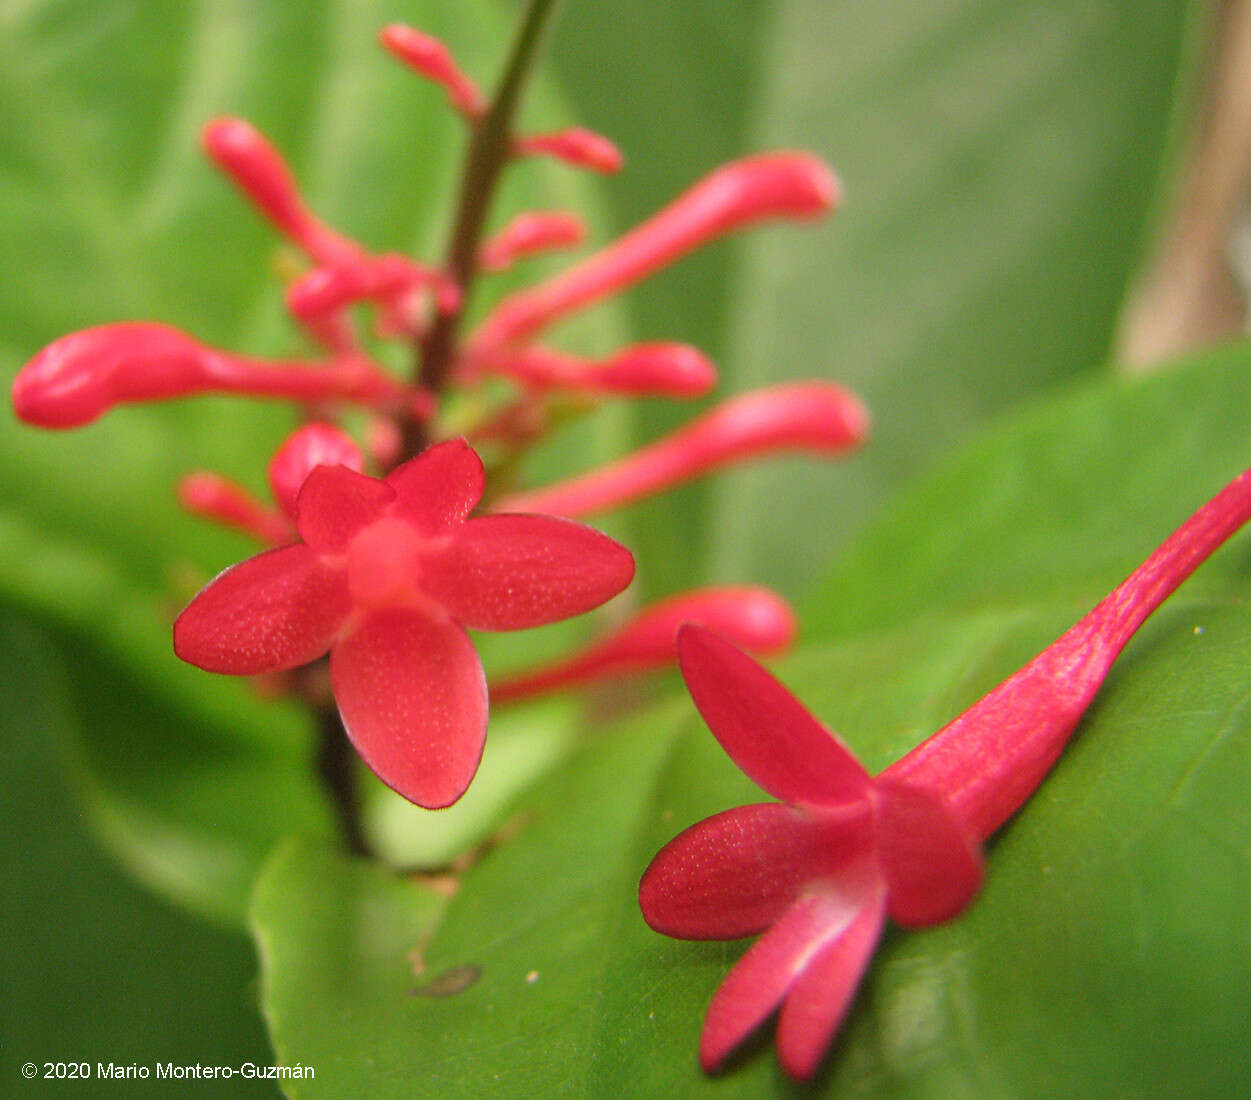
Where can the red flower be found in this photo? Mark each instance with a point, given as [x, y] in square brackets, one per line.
[387, 576]
[819, 872]
[754, 618]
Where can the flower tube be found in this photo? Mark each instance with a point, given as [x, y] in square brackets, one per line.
[756, 619]
[771, 185]
[805, 416]
[656, 369]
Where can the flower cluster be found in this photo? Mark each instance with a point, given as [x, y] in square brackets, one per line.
[373, 556]
[819, 871]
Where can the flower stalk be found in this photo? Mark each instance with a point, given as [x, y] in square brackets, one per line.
[489, 151]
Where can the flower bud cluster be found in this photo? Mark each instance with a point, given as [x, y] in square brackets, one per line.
[372, 555]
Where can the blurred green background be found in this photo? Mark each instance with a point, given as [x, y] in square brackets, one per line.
[1005, 167]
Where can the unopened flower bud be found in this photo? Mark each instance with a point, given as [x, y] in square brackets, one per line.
[576, 146]
[428, 57]
[80, 376]
[805, 416]
[244, 154]
[391, 279]
[771, 185]
[526, 234]
[303, 451]
[756, 619]
[213, 497]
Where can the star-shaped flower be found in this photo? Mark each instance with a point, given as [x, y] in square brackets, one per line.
[819, 872]
[386, 577]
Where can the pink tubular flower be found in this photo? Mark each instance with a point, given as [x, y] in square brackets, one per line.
[428, 57]
[810, 416]
[771, 185]
[819, 872]
[213, 497]
[387, 576]
[81, 376]
[318, 298]
[658, 369]
[529, 233]
[243, 153]
[577, 146]
[756, 619]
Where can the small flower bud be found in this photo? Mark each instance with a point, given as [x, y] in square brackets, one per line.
[806, 416]
[428, 57]
[771, 185]
[384, 442]
[526, 234]
[316, 298]
[80, 376]
[755, 619]
[243, 153]
[661, 369]
[303, 451]
[576, 146]
[223, 501]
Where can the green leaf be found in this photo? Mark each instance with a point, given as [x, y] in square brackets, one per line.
[368, 927]
[77, 935]
[525, 741]
[173, 790]
[1106, 954]
[116, 215]
[1064, 498]
[1106, 949]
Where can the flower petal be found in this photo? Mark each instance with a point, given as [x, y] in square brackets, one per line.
[766, 730]
[334, 503]
[734, 874]
[278, 610]
[439, 487]
[763, 976]
[508, 572]
[413, 700]
[930, 858]
[823, 992]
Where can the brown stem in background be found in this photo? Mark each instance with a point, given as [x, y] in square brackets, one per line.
[489, 151]
[336, 764]
[1189, 296]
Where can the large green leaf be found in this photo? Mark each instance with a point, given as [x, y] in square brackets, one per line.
[115, 215]
[78, 937]
[1106, 955]
[174, 790]
[1038, 519]
[1106, 951]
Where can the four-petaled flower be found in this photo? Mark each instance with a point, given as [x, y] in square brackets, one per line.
[819, 872]
[386, 577]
